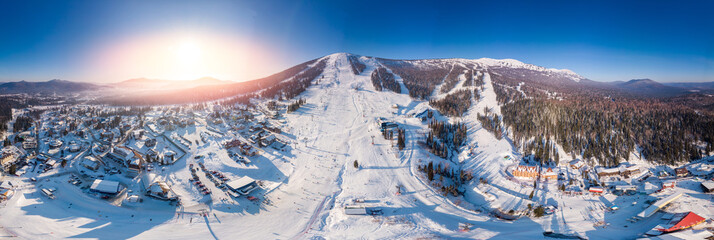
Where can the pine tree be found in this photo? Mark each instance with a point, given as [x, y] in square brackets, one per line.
[13, 169]
[430, 171]
[401, 139]
[557, 158]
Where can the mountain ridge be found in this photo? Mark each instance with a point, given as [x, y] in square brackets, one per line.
[50, 86]
[506, 71]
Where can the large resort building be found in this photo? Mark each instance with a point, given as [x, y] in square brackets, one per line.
[534, 172]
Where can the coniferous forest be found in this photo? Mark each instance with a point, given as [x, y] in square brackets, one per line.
[607, 131]
[454, 104]
[357, 66]
[445, 137]
[420, 81]
[452, 79]
[293, 87]
[383, 79]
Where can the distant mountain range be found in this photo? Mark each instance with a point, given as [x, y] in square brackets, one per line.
[692, 85]
[506, 71]
[649, 87]
[57, 86]
[52, 86]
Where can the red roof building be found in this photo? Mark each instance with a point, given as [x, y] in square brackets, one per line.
[682, 221]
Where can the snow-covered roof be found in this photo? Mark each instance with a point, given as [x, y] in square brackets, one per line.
[122, 152]
[625, 187]
[239, 183]
[669, 182]
[355, 210]
[607, 170]
[148, 179]
[135, 162]
[105, 186]
[74, 146]
[526, 168]
[6, 193]
[659, 204]
[667, 200]
[6, 184]
[549, 172]
[133, 199]
[632, 168]
[650, 187]
[270, 137]
[684, 234]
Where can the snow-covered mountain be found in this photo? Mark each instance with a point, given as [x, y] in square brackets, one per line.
[421, 78]
[52, 86]
[331, 156]
[495, 64]
[512, 63]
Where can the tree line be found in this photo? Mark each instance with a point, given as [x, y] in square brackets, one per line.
[296, 105]
[296, 85]
[452, 78]
[357, 66]
[469, 74]
[454, 104]
[381, 78]
[491, 122]
[457, 177]
[444, 138]
[607, 131]
[420, 80]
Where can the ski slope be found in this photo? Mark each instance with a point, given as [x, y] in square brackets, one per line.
[309, 186]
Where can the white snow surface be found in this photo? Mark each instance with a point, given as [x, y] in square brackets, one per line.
[486, 63]
[310, 184]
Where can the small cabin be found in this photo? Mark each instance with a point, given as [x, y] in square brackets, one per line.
[596, 190]
[355, 210]
[669, 184]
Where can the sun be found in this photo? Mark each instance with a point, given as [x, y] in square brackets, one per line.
[187, 52]
[184, 56]
[188, 59]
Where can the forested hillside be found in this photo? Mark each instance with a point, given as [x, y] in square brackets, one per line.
[382, 79]
[453, 78]
[420, 80]
[357, 66]
[542, 109]
[454, 104]
[607, 130]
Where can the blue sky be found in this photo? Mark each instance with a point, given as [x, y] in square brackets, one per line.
[602, 40]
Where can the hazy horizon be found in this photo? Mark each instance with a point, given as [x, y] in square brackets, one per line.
[231, 80]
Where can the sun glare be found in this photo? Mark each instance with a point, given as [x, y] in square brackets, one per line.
[187, 53]
[187, 62]
[183, 56]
